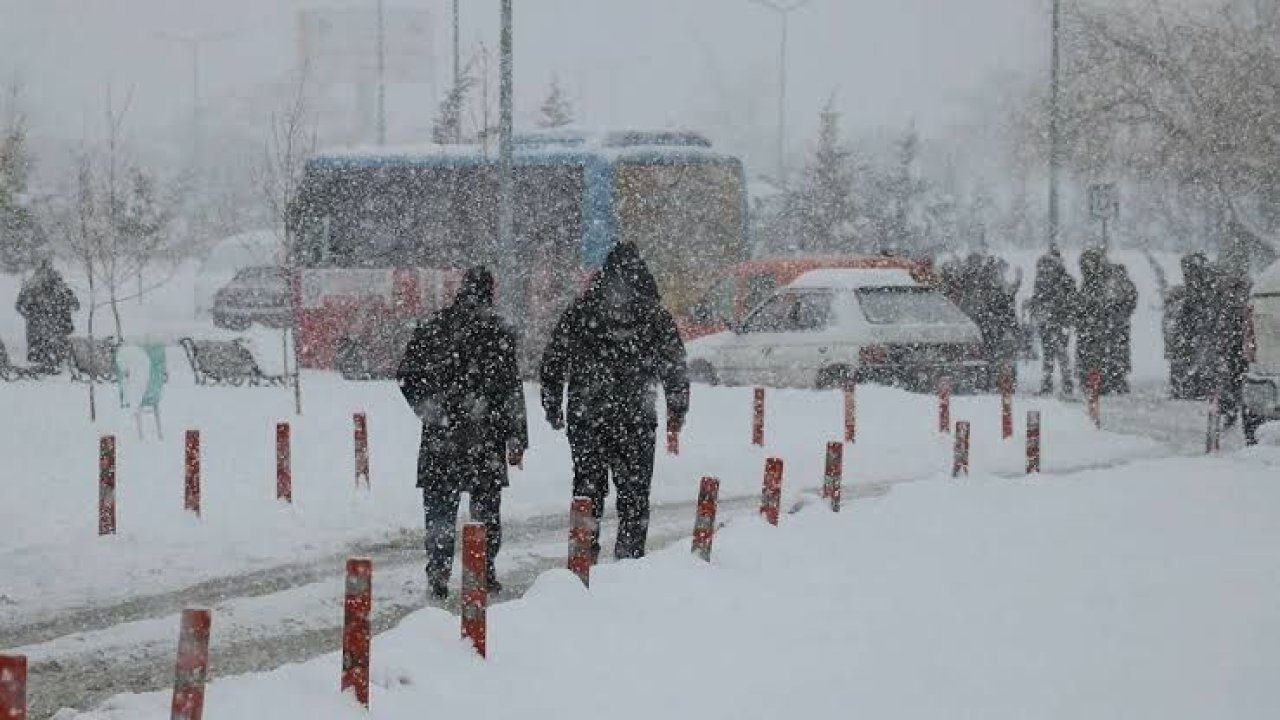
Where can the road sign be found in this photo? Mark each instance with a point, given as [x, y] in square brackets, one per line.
[1104, 201]
[341, 46]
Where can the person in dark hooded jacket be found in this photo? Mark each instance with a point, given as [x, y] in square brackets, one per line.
[459, 375]
[1052, 308]
[47, 304]
[610, 348]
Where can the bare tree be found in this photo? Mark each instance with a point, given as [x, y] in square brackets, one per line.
[291, 141]
[1185, 97]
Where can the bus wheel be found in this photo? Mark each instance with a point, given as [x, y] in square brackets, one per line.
[348, 360]
[830, 378]
[700, 371]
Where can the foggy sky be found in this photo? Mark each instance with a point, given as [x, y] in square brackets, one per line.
[701, 63]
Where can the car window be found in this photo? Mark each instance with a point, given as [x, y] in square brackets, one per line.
[908, 306]
[759, 287]
[774, 316]
[716, 304]
[812, 312]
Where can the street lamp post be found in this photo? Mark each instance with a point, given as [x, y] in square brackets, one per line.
[506, 181]
[1055, 129]
[784, 11]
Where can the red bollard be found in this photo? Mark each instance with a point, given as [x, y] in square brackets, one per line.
[107, 485]
[284, 471]
[362, 448]
[771, 497]
[1095, 397]
[13, 687]
[192, 668]
[850, 412]
[832, 478]
[191, 495]
[1213, 433]
[1033, 442]
[704, 526]
[475, 593]
[1006, 405]
[961, 463]
[582, 532]
[757, 418]
[356, 634]
[944, 405]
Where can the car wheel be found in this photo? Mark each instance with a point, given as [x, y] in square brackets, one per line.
[700, 371]
[1250, 424]
[831, 378]
[237, 324]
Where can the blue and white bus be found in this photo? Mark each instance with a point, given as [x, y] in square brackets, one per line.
[379, 221]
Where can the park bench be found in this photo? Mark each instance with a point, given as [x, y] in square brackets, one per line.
[226, 362]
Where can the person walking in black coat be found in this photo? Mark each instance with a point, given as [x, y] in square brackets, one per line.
[610, 348]
[459, 375]
[1052, 309]
[46, 303]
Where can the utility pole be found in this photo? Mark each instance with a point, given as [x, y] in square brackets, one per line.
[457, 53]
[1055, 130]
[784, 11]
[382, 75]
[506, 185]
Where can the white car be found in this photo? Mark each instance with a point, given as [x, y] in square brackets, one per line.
[832, 326]
[1262, 381]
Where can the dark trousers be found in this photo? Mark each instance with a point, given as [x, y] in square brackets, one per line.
[440, 512]
[1053, 346]
[626, 453]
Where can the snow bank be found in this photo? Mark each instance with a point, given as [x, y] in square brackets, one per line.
[1142, 592]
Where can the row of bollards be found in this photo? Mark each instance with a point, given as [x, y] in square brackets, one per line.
[107, 476]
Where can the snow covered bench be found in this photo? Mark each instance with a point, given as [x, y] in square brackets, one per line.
[230, 362]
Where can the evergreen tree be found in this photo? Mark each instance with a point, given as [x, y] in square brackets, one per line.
[819, 210]
[21, 238]
[906, 197]
[448, 125]
[556, 109]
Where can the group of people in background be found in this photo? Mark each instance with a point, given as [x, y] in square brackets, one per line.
[609, 351]
[1098, 310]
[47, 303]
[1205, 332]
[979, 285]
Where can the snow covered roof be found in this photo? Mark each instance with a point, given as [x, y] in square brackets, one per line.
[853, 279]
[561, 142]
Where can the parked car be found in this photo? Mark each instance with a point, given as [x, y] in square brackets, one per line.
[742, 287]
[1262, 381]
[256, 294]
[832, 326]
[227, 257]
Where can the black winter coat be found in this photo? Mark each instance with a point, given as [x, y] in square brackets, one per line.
[459, 374]
[610, 348]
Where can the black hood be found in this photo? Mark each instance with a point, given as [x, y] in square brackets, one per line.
[625, 269]
[477, 288]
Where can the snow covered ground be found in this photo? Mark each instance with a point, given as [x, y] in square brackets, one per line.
[72, 601]
[1143, 591]
[53, 559]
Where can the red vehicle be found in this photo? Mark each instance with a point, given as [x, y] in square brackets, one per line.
[742, 287]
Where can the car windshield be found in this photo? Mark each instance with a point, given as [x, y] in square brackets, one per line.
[908, 306]
[260, 273]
